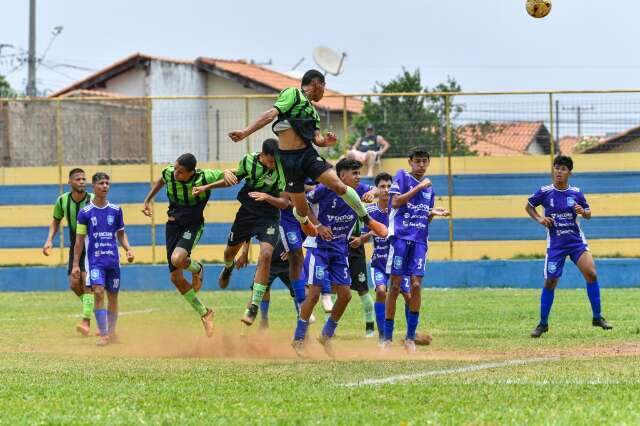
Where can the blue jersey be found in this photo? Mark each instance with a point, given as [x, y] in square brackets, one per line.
[380, 245]
[559, 206]
[100, 225]
[334, 213]
[411, 221]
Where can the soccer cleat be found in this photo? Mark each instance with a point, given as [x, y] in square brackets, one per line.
[410, 346]
[541, 328]
[385, 346]
[376, 227]
[601, 322]
[83, 327]
[369, 330]
[113, 338]
[207, 322]
[225, 275]
[250, 314]
[309, 229]
[198, 279]
[103, 341]
[298, 347]
[312, 319]
[325, 341]
[327, 303]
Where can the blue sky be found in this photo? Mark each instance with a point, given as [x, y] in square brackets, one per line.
[485, 45]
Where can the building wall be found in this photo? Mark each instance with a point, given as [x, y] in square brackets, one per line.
[129, 83]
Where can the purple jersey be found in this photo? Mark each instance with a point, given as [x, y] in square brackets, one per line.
[380, 245]
[100, 225]
[334, 213]
[559, 206]
[411, 221]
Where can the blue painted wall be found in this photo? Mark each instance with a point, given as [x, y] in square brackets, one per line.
[456, 274]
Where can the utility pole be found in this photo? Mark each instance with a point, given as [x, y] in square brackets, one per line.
[578, 109]
[31, 79]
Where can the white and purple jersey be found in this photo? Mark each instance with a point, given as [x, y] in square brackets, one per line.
[380, 245]
[100, 225]
[334, 213]
[559, 205]
[410, 221]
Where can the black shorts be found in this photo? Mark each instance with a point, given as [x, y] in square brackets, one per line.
[299, 164]
[248, 225]
[184, 236]
[358, 270]
[82, 260]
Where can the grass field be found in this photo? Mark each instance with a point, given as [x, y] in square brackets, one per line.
[482, 368]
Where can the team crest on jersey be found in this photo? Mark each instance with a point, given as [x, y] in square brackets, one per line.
[94, 221]
[271, 230]
[379, 276]
[571, 202]
[552, 267]
[362, 277]
[292, 237]
[95, 274]
[426, 195]
[320, 272]
[397, 262]
[110, 219]
[186, 235]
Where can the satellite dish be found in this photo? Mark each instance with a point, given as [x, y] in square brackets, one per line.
[329, 60]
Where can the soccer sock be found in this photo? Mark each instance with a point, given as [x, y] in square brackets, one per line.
[228, 263]
[367, 307]
[112, 318]
[388, 329]
[264, 309]
[299, 290]
[546, 301]
[412, 325]
[329, 327]
[301, 330]
[194, 266]
[352, 198]
[258, 292]
[101, 319]
[87, 305]
[195, 303]
[593, 290]
[297, 306]
[379, 308]
[406, 312]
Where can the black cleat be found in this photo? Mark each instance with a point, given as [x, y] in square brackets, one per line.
[225, 275]
[541, 328]
[250, 315]
[601, 322]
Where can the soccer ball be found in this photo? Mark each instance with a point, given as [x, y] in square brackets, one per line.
[538, 8]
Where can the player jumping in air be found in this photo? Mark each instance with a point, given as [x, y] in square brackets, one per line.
[562, 205]
[412, 208]
[99, 224]
[185, 224]
[69, 204]
[297, 125]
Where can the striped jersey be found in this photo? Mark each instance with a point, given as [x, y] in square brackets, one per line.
[259, 178]
[66, 206]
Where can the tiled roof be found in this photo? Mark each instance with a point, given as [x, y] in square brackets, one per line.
[500, 138]
[567, 144]
[277, 81]
[619, 139]
[83, 93]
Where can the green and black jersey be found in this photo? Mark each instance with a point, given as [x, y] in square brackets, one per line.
[357, 232]
[258, 177]
[185, 207]
[66, 206]
[294, 107]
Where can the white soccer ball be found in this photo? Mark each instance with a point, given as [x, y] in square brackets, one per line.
[538, 8]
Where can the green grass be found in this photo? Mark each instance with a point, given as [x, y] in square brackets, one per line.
[165, 371]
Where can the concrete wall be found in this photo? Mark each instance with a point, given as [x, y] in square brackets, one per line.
[129, 83]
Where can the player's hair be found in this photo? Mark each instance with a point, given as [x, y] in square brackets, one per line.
[347, 164]
[188, 161]
[74, 171]
[311, 75]
[563, 160]
[382, 176]
[269, 146]
[419, 151]
[99, 176]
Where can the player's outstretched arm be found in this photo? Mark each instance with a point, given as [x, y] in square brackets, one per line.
[280, 202]
[533, 213]
[265, 118]
[77, 251]
[124, 242]
[53, 230]
[229, 179]
[399, 200]
[327, 140]
[152, 193]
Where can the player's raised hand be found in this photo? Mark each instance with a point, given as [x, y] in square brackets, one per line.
[230, 177]
[425, 183]
[284, 256]
[330, 139]
[325, 233]
[75, 272]
[237, 135]
[146, 210]
[578, 209]
[130, 256]
[197, 190]
[259, 196]
[369, 196]
[46, 249]
[546, 222]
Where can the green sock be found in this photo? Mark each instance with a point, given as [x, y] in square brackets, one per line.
[87, 305]
[228, 263]
[194, 266]
[258, 292]
[367, 307]
[352, 198]
[195, 303]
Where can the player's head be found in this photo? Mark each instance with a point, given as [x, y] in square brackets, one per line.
[77, 180]
[562, 167]
[349, 171]
[383, 183]
[268, 154]
[313, 84]
[419, 159]
[185, 167]
[369, 130]
[100, 182]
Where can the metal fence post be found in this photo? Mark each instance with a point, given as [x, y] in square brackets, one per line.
[151, 178]
[552, 145]
[59, 159]
[447, 113]
[345, 123]
[246, 122]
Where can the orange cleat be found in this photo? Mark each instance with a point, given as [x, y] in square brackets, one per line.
[309, 229]
[83, 327]
[207, 322]
[378, 228]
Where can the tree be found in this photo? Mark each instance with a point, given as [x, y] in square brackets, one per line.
[5, 89]
[408, 121]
